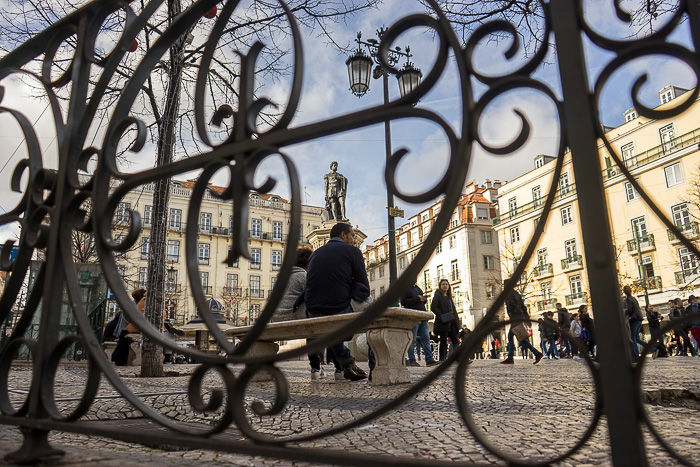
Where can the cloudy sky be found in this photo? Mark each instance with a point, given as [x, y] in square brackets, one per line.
[360, 154]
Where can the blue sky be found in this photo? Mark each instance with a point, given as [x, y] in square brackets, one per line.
[360, 154]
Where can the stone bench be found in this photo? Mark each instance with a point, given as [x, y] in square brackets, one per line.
[134, 350]
[389, 336]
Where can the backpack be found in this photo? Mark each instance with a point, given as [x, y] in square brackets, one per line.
[585, 335]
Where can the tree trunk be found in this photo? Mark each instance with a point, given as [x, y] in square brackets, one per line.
[151, 352]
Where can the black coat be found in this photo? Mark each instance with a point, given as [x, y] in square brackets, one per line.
[443, 304]
[411, 300]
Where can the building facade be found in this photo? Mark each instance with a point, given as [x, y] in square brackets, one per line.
[467, 254]
[244, 287]
[663, 157]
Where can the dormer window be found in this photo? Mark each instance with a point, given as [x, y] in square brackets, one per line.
[275, 199]
[630, 115]
[177, 185]
[666, 96]
[539, 162]
[254, 196]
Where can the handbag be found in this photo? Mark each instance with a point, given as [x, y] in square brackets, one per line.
[447, 317]
[520, 332]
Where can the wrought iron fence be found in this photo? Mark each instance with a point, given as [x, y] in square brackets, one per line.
[47, 221]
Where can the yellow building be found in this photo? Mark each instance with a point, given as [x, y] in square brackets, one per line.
[663, 156]
[242, 288]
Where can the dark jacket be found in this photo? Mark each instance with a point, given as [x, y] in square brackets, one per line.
[654, 318]
[632, 310]
[551, 331]
[411, 300]
[689, 312]
[564, 319]
[336, 271]
[587, 323]
[443, 304]
[515, 306]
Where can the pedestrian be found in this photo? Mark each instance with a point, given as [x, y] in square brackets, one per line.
[446, 323]
[120, 356]
[415, 300]
[336, 279]
[693, 309]
[552, 334]
[515, 307]
[575, 331]
[564, 320]
[676, 313]
[654, 319]
[634, 317]
[587, 330]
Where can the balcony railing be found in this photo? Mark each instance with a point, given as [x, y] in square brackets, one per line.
[233, 291]
[203, 260]
[657, 152]
[173, 288]
[572, 262]
[543, 270]
[206, 289]
[276, 267]
[534, 205]
[454, 276]
[646, 242]
[689, 230]
[580, 298]
[546, 304]
[255, 265]
[652, 283]
[685, 275]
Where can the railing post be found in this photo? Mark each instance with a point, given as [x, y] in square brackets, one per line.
[617, 384]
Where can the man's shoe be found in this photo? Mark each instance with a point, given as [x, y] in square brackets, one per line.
[316, 374]
[413, 363]
[432, 362]
[508, 361]
[538, 358]
[353, 372]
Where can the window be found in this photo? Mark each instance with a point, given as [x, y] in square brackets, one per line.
[542, 257]
[148, 215]
[440, 273]
[276, 260]
[230, 223]
[457, 297]
[546, 289]
[256, 228]
[276, 230]
[482, 213]
[402, 262]
[424, 217]
[373, 294]
[371, 275]
[204, 278]
[648, 265]
[381, 272]
[512, 207]
[381, 290]
[564, 188]
[515, 235]
[537, 196]
[490, 291]
[255, 286]
[454, 270]
[205, 222]
[570, 248]
[639, 226]
[255, 258]
[235, 263]
[255, 309]
[674, 175]
[426, 279]
[667, 96]
[575, 284]
[486, 236]
[453, 241]
[667, 135]
[539, 162]
[439, 247]
[174, 250]
[488, 262]
[631, 115]
[203, 253]
[273, 281]
[628, 156]
[630, 192]
[681, 214]
[688, 260]
[145, 243]
[171, 280]
[232, 284]
[122, 214]
[175, 219]
[566, 217]
[143, 277]
[413, 223]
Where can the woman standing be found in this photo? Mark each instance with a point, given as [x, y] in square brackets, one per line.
[446, 323]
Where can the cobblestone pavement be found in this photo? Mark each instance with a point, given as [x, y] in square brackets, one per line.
[534, 412]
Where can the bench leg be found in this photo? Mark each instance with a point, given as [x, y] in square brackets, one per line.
[263, 348]
[390, 346]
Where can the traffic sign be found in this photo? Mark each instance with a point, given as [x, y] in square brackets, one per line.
[394, 212]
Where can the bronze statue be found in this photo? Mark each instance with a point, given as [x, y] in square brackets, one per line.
[336, 186]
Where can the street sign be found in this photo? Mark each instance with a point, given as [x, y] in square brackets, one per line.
[394, 212]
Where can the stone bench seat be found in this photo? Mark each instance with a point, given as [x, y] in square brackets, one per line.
[389, 336]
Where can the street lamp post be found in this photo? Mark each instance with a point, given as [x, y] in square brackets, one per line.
[359, 67]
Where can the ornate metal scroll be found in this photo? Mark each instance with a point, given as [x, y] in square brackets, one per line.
[52, 202]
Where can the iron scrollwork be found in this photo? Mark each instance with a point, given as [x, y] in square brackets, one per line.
[51, 206]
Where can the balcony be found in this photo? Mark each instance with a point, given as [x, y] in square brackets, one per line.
[276, 267]
[206, 289]
[219, 231]
[546, 304]
[255, 265]
[646, 243]
[689, 230]
[580, 298]
[173, 288]
[256, 293]
[686, 275]
[203, 260]
[652, 283]
[233, 291]
[533, 206]
[543, 270]
[572, 262]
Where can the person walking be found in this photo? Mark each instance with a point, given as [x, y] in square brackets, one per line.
[654, 319]
[575, 331]
[564, 319]
[446, 323]
[587, 330]
[634, 317]
[675, 314]
[515, 307]
[552, 334]
[415, 300]
[693, 309]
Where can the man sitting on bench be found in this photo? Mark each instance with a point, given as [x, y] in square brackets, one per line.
[335, 279]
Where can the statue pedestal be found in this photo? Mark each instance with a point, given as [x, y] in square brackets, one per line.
[320, 237]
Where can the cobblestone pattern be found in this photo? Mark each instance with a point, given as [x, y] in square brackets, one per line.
[536, 412]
